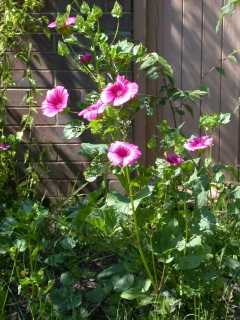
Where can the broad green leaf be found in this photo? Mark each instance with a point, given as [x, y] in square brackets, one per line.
[232, 263]
[207, 221]
[55, 260]
[118, 201]
[181, 245]
[189, 262]
[7, 226]
[195, 241]
[202, 198]
[110, 271]
[67, 279]
[66, 299]
[98, 294]
[138, 291]
[122, 283]
[68, 243]
[146, 192]
[89, 150]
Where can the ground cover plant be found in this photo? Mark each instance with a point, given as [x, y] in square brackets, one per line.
[167, 245]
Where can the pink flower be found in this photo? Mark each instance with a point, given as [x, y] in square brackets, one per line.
[4, 146]
[119, 92]
[122, 154]
[86, 58]
[198, 143]
[68, 23]
[55, 101]
[174, 159]
[93, 111]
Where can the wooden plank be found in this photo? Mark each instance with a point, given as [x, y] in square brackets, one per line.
[191, 64]
[230, 90]
[155, 21]
[173, 45]
[139, 35]
[211, 56]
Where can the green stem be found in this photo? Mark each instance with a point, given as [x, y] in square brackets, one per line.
[8, 287]
[136, 229]
[116, 32]
[153, 262]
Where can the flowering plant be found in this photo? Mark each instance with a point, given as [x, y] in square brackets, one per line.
[170, 212]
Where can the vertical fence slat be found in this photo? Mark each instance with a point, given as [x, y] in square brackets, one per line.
[173, 27]
[211, 56]
[140, 34]
[191, 65]
[155, 21]
[229, 137]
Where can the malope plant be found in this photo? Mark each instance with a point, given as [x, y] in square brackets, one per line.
[175, 207]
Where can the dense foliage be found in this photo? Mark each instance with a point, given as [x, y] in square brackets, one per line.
[167, 245]
[16, 24]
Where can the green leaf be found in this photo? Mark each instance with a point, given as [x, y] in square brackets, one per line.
[139, 290]
[55, 260]
[98, 294]
[154, 65]
[21, 245]
[224, 118]
[117, 10]
[168, 237]
[196, 241]
[236, 192]
[7, 226]
[72, 299]
[152, 143]
[67, 279]
[132, 294]
[97, 167]
[68, 243]
[232, 263]
[110, 271]
[123, 283]
[146, 192]
[202, 198]
[119, 202]
[74, 129]
[189, 262]
[96, 12]
[232, 59]
[71, 40]
[207, 221]
[89, 150]
[220, 70]
[85, 9]
[63, 49]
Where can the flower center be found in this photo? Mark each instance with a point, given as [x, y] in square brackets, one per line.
[122, 152]
[118, 90]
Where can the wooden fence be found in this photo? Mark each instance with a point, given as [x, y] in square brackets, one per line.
[183, 31]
